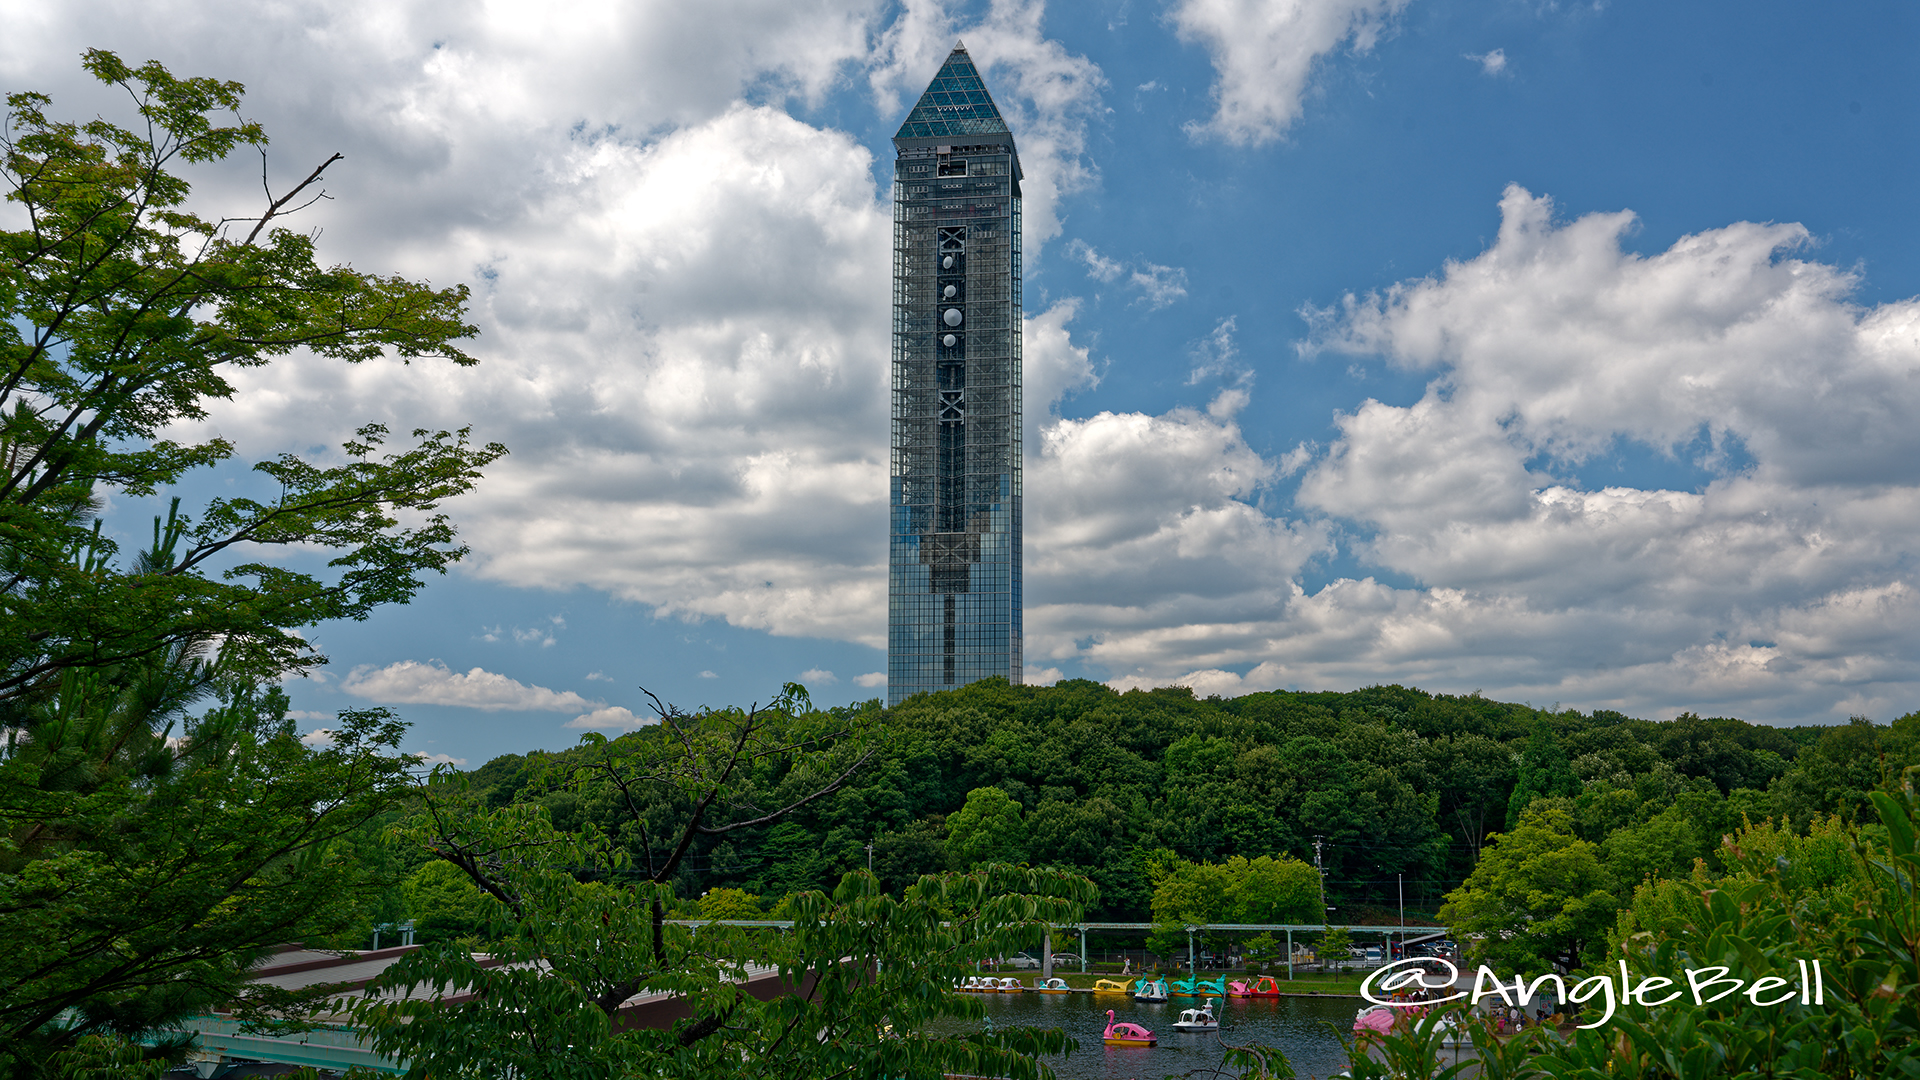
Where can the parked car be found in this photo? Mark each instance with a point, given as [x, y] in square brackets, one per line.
[1020, 960]
[1066, 958]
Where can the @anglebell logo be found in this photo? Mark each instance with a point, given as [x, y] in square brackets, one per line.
[1411, 974]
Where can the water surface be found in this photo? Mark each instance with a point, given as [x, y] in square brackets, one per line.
[1297, 1026]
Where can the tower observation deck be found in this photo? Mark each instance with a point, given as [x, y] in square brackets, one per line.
[953, 583]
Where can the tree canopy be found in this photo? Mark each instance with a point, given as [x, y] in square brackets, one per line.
[121, 313]
[987, 829]
[1403, 788]
[162, 826]
[1540, 899]
[577, 924]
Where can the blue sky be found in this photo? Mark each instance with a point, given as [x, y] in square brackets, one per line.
[1563, 352]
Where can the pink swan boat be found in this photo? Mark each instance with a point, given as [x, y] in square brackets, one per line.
[1119, 1033]
[1377, 1019]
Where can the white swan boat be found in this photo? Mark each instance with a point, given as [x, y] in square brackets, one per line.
[1200, 1019]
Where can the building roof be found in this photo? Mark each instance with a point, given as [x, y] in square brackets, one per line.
[955, 104]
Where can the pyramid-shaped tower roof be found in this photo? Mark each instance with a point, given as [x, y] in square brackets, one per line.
[956, 104]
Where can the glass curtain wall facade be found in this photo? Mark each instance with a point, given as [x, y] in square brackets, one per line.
[953, 589]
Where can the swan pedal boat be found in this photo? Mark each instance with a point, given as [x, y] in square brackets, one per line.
[1381, 1018]
[1450, 1031]
[1264, 986]
[1009, 985]
[1198, 987]
[978, 984]
[1374, 1018]
[1110, 986]
[1151, 991]
[1200, 1019]
[1055, 985]
[1120, 1033]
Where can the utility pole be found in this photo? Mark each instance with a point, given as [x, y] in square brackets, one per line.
[870, 861]
[1322, 872]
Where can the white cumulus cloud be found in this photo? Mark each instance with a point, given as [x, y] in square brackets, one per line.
[1780, 587]
[611, 717]
[1493, 62]
[1159, 285]
[1099, 267]
[410, 682]
[1143, 535]
[1264, 53]
[677, 291]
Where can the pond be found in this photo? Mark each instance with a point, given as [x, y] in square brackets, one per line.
[1296, 1025]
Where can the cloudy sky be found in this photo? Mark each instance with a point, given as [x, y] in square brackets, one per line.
[1566, 352]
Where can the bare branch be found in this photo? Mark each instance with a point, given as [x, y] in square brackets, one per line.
[845, 775]
[274, 208]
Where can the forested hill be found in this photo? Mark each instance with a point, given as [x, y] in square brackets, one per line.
[1401, 785]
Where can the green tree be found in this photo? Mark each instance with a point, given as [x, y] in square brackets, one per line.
[581, 920]
[725, 903]
[443, 903]
[793, 860]
[1540, 896]
[1184, 894]
[142, 878]
[151, 856]
[1842, 897]
[1543, 772]
[1836, 773]
[1730, 753]
[120, 314]
[1901, 743]
[1335, 947]
[1270, 890]
[988, 829]
[901, 856]
[1666, 844]
[878, 973]
[1474, 775]
[1240, 890]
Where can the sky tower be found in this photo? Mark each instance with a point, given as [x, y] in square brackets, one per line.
[953, 581]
